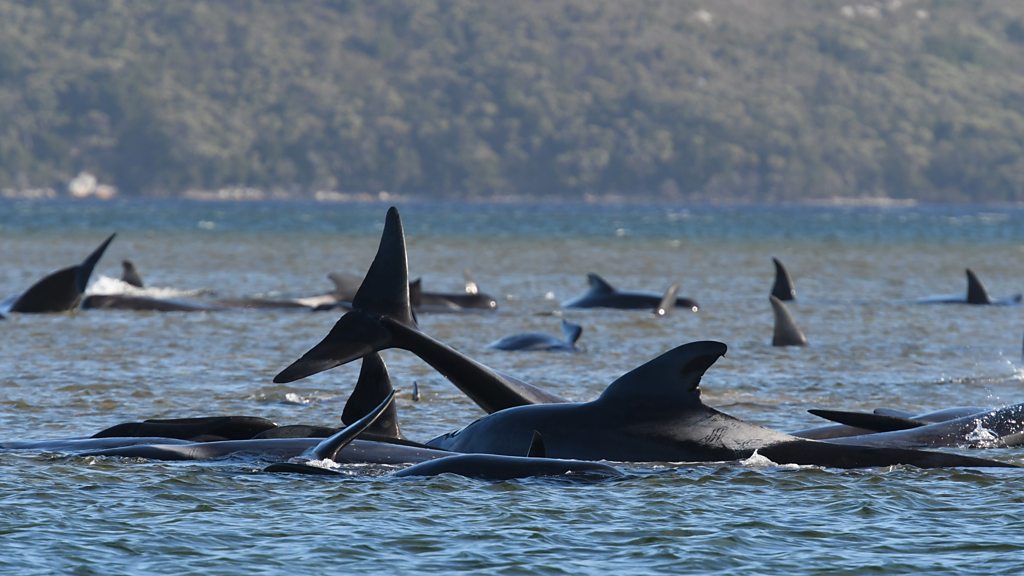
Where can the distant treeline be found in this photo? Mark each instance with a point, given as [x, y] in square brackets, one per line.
[733, 99]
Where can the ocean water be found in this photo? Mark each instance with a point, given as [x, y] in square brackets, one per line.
[858, 272]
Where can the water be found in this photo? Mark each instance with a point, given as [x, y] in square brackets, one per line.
[857, 272]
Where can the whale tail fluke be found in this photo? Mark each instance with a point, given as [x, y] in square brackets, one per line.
[786, 332]
[62, 290]
[384, 292]
[783, 288]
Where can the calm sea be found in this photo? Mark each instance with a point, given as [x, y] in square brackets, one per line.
[857, 271]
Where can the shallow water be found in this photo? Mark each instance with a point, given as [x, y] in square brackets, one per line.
[857, 271]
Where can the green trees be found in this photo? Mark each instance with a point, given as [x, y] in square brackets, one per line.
[773, 100]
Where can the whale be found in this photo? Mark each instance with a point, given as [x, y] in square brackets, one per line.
[867, 423]
[382, 318]
[783, 287]
[990, 428]
[204, 428]
[601, 294]
[540, 341]
[60, 291]
[654, 413]
[786, 332]
[142, 303]
[130, 275]
[977, 294]
[486, 466]
[471, 299]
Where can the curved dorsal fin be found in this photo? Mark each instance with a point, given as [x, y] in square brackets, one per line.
[786, 333]
[537, 449]
[329, 447]
[416, 292]
[868, 421]
[673, 376]
[571, 332]
[385, 289]
[130, 275]
[373, 385]
[668, 301]
[783, 288]
[976, 293]
[598, 284]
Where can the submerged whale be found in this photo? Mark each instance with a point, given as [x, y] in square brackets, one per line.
[602, 295]
[976, 294]
[472, 299]
[62, 290]
[540, 341]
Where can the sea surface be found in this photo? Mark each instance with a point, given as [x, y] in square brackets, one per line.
[858, 272]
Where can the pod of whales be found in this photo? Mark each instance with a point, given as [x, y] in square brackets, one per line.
[601, 294]
[540, 341]
[62, 290]
[652, 413]
[471, 299]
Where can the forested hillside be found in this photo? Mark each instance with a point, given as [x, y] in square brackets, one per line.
[761, 100]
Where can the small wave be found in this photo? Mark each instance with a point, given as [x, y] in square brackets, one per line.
[756, 460]
[105, 286]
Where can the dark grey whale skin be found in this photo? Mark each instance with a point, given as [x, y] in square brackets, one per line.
[62, 290]
[601, 294]
[654, 413]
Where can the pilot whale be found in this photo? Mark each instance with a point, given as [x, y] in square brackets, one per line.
[62, 290]
[976, 294]
[382, 317]
[541, 341]
[471, 299]
[602, 295]
[654, 413]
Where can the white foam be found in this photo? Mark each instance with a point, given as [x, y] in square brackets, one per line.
[105, 285]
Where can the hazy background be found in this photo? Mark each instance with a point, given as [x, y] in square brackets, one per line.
[774, 100]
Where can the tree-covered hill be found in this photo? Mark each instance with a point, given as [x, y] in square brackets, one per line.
[730, 99]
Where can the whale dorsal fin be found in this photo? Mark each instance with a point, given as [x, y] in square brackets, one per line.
[385, 289]
[328, 449]
[537, 449]
[571, 332]
[130, 275]
[373, 385]
[868, 421]
[61, 290]
[786, 333]
[976, 293]
[783, 288]
[598, 285]
[345, 285]
[668, 301]
[471, 286]
[673, 377]
[416, 292]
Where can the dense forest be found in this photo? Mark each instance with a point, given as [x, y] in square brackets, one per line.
[730, 100]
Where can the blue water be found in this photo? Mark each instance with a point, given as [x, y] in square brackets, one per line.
[858, 272]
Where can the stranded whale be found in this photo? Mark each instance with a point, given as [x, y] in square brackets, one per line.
[602, 295]
[976, 294]
[541, 341]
